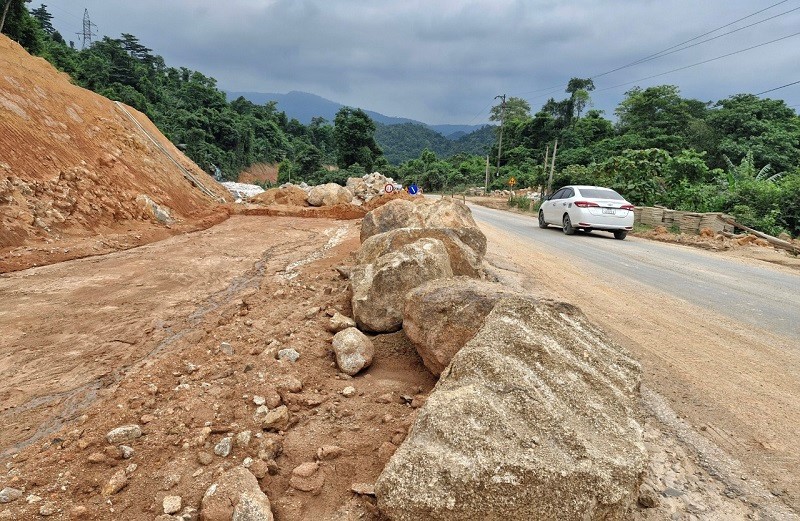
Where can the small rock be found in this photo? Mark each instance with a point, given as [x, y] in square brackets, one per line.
[274, 420]
[329, 452]
[226, 348]
[96, 457]
[288, 354]
[354, 350]
[312, 312]
[647, 497]
[259, 400]
[48, 509]
[9, 494]
[204, 458]
[126, 452]
[339, 322]
[147, 418]
[172, 504]
[363, 489]
[291, 384]
[671, 492]
[124, 434]
[243, 438]
[32, 498]
[223, 448]
[79, 512]
[117, 482]
[307, 478]
[348, 391]
[259, 468]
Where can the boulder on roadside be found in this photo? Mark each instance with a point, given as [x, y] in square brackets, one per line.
[398, 213]
[425, 213]
[354, 350]
[537, 417]
[235, 495]
[379, 288]
[442, 315]
[287, 195]
[329, 194]
[339, 322]
[463, 259]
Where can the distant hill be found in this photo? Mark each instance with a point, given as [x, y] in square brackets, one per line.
[304, 106]
[406, 141]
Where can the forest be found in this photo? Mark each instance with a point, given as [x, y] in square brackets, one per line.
[740, 155]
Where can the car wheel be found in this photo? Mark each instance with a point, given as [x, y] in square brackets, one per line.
[568, 229]
[620, 234]
[542, 222]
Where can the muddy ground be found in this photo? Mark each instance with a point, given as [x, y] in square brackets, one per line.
[137, 337]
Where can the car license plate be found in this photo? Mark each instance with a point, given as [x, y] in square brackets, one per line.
[610, 211]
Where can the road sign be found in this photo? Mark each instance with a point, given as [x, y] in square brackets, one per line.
[389, 188]
[413, 189]
[512, 181]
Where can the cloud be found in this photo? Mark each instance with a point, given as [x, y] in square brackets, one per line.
[443, 61]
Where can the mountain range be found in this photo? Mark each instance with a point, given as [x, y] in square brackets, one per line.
[304, 106]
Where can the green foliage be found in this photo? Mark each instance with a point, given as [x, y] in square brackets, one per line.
[354, 135]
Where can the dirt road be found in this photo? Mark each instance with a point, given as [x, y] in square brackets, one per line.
[72, 328]
[733, 386]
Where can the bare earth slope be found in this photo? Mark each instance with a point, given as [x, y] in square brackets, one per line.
[73, 163]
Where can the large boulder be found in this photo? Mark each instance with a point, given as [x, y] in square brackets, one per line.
[379, 288]
[328, 195]
[537, 417]
[235, 496]
[289, 195]
[463, 259]
[398, 213]
[424, 213]
[442, 315]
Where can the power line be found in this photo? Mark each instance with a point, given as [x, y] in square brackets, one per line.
[666, 51]
[481, 112]
[662, 52]
[700, 63]
[781, 87]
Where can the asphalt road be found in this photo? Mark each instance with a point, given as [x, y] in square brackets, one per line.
[762, 296]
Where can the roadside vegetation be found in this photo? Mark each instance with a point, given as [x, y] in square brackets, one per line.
[739, 155]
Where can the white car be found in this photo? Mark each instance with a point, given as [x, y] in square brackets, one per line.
[587, 208]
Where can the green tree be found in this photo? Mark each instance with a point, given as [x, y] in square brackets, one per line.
[354, 135]
[515, 109]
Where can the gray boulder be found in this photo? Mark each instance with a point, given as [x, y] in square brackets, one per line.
[463, 259]
[537, 417]
[442, 315]
[235, 496]
[379, 288]
[425, 213]
[329, 195]
[354, 350]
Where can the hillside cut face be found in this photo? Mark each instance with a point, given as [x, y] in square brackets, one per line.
[537, 417]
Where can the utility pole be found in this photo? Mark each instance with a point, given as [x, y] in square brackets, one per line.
[544, 171]
[502, 117]
[552, 168]
[486, 182]
[87, 33]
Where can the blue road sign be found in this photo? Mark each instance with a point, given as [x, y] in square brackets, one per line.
[413, 189]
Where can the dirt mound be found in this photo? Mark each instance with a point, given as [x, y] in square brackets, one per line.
[260, 173]
[76, 165]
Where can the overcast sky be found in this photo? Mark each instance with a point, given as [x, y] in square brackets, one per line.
[444, 61]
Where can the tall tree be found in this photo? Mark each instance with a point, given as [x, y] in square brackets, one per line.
[44, 18]
[579, 89]
[354, 135]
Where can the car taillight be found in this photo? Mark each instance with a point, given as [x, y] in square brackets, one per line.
[586, 204]
[627, 207]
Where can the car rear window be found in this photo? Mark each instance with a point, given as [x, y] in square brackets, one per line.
[595, 193]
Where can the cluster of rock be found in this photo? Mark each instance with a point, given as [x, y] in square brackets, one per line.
[535, 415]
[358, 191]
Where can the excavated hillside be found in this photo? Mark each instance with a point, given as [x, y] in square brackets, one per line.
[81, 174]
